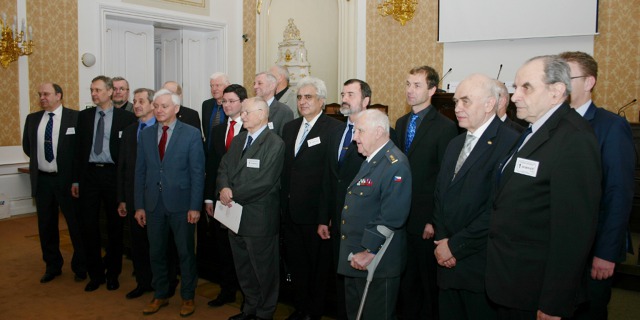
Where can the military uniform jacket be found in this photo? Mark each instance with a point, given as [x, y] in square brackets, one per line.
[380, 194]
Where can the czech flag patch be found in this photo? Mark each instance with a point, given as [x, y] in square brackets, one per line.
[397, 179]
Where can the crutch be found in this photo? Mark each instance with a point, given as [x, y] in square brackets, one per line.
[371, 268]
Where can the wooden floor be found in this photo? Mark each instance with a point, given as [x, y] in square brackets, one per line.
[23, 297]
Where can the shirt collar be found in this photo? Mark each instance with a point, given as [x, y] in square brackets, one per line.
[373, 154]
[583, 108]
[536, 125]
[478, 133]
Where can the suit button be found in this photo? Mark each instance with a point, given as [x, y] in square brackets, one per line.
[346, 207]
[343, 221]
[349, 192]
[343, 237]
[361, 193]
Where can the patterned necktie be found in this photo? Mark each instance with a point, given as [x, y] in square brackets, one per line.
[411, 132]
[304, 136]
[97, 142]
[48, 139]
[230, 135]
[163, 142]
[249, 140]
[345, 145]
[464, 153]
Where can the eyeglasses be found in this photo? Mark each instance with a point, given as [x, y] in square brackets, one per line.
[230, 101]
[576, 77]
[306, 97]
[120, 89]
[245, 113]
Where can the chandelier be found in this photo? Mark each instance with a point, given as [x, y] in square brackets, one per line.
[401, 10]
[12, 47]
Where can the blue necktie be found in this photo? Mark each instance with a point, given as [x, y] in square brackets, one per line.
[97, 143]
[48, 139]
[304, 136]
[345, 145]
[411, 132]
[249, 140]
[142, 126]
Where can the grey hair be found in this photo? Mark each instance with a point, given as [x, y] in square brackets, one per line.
[282, 71]
[502, 91]
[556, 70]
[222, 75]
[375, 118]
[150, 93]
[321, 88]
[163, 92]
[270, 78]
[120, 79]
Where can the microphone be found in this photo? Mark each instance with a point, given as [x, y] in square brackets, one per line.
[620, 111]
[445, 75]
[499, 70]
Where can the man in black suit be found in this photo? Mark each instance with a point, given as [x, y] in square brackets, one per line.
[307, 255]
[212, 109]
[120, 97]
[264, 87]
[618, 168]
[143, 109]
[545, 211]
[249, 175]
[463, 200]
[222, 135]
[99, 132]
[342, 164]
[49, 142]
[503, 103]
[423, 134]
[186, 115]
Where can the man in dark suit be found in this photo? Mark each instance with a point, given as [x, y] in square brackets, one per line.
[222, 135]
[212, 109]
[120, 97]
[264, 87]
[423, 134]
[49, 142]
[618, 166]
[185, 115]
[169, 185]
[378, 196]
[341, 166]
[308, 256]
[503, 103]
[463, 200]
[143, 109]
[545, 211]
[99, 132]
[249, 175]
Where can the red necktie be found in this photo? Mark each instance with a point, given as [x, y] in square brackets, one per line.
[230, 135]
[163, 142]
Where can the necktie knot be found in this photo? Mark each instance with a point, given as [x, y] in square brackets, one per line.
[101, 113]
[165, 128]
[142, 126]
[51, 114]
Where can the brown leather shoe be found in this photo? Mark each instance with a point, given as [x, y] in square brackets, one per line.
[154, 306]
[187, 309]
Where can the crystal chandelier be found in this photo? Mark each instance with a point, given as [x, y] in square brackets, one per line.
[13, 47]
[401, 10]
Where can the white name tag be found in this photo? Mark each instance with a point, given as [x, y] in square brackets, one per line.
[253, 163]
[71, 130]
[119, 134]
[526, 167]
[270, 125]
[313, 142]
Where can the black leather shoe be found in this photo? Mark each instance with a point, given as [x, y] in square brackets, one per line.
[222, 299]
[48, 276]
[93, 285]
[80, 277]
[113, 284]
[296, 315]
[242, 316]
[137, 292]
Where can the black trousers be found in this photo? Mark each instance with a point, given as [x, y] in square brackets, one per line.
[462, 304]
[418, 288]
[99, 190]
[599, 297]
[139, 250]
[224, 259]
[53, 195]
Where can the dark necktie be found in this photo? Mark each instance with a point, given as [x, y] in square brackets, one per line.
[411, 132]
[517, 147]
[142, 126]
[230, 135]
[345, 145]
[163, 142]
[48, 139]
[249, 140]
[97, 142]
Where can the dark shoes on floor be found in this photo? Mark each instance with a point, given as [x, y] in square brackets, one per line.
[242, 316]
[222, 299]
[48, 276]
[299, 315]
[113, 284]
[80, 277]
[138, 291]
[93, 285]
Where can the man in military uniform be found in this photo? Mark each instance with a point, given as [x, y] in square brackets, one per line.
[380, 194]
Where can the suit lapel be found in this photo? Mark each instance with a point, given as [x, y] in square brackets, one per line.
[65, 123]
[314, 132]
[484, 144]
[422, 129]
[366, 167]
[175, 136]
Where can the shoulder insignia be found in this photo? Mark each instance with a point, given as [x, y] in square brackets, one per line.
[392, 158]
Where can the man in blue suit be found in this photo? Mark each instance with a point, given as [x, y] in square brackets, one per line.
[618, 164]
[169, 185]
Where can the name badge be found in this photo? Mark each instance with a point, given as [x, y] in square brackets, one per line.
[526, 167]
[71, 130]
[270, 125]
[253, 163]
[119, 134]
[313, 142]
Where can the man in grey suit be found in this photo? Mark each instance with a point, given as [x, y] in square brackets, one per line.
[379, 195]
[264, 87]
[169, 186]
[285, 94]
[249, 175]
